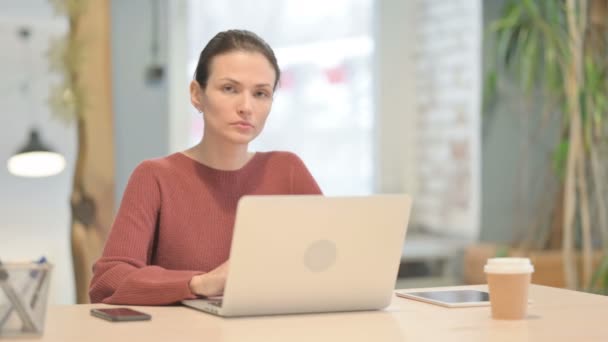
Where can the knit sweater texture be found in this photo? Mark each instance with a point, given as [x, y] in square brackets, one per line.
[176, 220]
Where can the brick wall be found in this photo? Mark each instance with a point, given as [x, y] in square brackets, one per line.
[446, 56]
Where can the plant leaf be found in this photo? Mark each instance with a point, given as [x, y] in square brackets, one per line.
[560, 156]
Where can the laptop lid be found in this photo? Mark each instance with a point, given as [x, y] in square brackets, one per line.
[312, 253]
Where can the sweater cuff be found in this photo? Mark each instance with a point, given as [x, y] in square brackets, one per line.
[164, 287]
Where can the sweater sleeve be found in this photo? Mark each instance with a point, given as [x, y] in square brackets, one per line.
[123, 274]
[302, 182]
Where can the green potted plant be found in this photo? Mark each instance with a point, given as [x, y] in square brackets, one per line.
[558, 49]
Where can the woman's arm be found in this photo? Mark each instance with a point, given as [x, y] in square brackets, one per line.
[123, 275]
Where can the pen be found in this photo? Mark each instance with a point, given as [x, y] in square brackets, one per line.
[40, 283]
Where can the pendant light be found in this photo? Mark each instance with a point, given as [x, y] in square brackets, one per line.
[34, 159]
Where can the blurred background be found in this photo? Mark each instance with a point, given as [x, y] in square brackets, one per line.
[463, 104]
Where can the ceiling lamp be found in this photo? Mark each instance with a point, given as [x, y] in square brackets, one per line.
[35, 159]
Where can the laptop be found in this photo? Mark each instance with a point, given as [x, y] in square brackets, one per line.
[311, 253]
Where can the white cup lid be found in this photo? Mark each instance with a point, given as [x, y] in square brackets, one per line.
[508, 265]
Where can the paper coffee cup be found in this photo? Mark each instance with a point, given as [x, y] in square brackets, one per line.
[508, 283]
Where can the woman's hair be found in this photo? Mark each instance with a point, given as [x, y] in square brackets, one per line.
[233, 40]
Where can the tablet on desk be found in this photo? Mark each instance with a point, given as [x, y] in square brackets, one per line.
[449, 298]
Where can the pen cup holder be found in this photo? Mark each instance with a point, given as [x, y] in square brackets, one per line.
[23, 298]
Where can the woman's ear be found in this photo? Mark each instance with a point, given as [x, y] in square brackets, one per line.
[196, 95]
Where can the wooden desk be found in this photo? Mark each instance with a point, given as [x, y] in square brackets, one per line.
[554, 315]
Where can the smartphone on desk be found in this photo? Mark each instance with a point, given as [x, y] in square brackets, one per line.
[120, 314]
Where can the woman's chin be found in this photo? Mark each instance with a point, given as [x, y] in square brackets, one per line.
[241, 139]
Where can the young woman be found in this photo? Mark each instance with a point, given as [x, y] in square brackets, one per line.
[171, 237]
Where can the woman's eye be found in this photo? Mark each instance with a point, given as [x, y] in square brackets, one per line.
[262, 94]
[228, 89]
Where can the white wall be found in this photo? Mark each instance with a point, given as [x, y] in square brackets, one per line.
[150, 119]
[179, 81]
[395, 97]
[141, 109]
[428, 97]
[34, 213]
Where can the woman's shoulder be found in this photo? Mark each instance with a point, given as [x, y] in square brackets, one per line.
[153, 166]
[282, 157]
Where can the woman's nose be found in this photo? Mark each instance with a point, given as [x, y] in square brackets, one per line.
[245, 104]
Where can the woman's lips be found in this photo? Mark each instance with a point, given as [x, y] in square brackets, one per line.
[244, 125]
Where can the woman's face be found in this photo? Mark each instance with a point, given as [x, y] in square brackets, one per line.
[238, 96]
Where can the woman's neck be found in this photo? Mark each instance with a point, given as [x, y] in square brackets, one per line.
[226, 157]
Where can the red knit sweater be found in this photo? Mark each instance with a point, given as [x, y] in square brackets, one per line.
[175, 221]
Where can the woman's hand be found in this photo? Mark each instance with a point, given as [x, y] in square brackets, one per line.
[211, 283]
